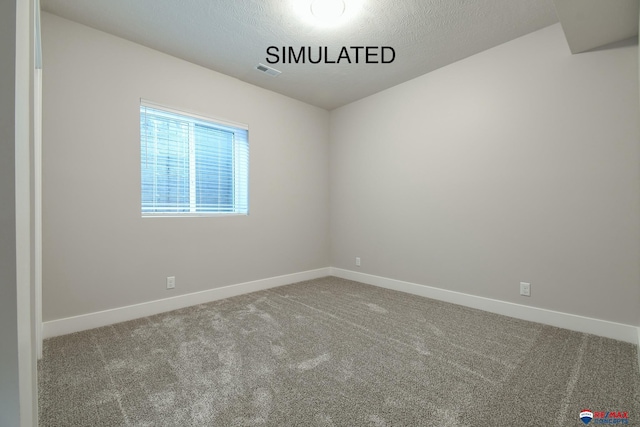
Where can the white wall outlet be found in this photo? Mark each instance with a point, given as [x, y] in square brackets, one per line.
[525, 289]
[171, 282]
[358, 261]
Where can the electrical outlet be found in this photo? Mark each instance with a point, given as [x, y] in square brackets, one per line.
[171, 282]
[525, 289]
[358, 261]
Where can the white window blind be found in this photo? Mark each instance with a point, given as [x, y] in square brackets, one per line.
[191, 165]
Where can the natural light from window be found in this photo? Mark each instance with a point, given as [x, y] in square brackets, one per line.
[192, 166]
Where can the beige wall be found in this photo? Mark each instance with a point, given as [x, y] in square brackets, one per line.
[520, 163]
[517, 164]
[98, 253]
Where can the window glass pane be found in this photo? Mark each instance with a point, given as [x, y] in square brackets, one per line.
[214, 169]
[165, 173]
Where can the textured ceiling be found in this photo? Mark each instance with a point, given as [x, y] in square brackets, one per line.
[231, 36]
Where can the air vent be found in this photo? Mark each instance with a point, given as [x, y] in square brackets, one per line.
[268, 70]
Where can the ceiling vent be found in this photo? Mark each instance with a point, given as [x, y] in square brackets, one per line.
[268, 70]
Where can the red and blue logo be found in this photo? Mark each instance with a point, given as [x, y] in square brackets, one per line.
[604, 417]
[586, 416]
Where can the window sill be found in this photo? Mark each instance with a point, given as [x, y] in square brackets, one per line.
[190, 215]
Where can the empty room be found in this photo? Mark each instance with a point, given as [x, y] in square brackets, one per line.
[320, 213]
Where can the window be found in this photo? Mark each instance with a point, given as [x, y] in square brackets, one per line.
[191, 165]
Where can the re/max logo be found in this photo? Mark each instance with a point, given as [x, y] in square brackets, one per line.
[321, 54]
[612, 414]
[612, 417]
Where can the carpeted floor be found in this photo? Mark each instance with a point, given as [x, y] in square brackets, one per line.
[332, 352]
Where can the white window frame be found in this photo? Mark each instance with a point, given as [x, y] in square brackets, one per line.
[238, 187]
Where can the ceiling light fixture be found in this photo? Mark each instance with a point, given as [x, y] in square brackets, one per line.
[326, 14]
[327, 10]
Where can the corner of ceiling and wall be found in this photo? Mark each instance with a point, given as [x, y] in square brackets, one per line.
[590, 24]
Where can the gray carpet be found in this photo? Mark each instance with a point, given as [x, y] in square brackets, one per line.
[332, 352]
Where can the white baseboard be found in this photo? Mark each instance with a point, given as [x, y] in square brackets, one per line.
[122, 314]
[572, 322]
